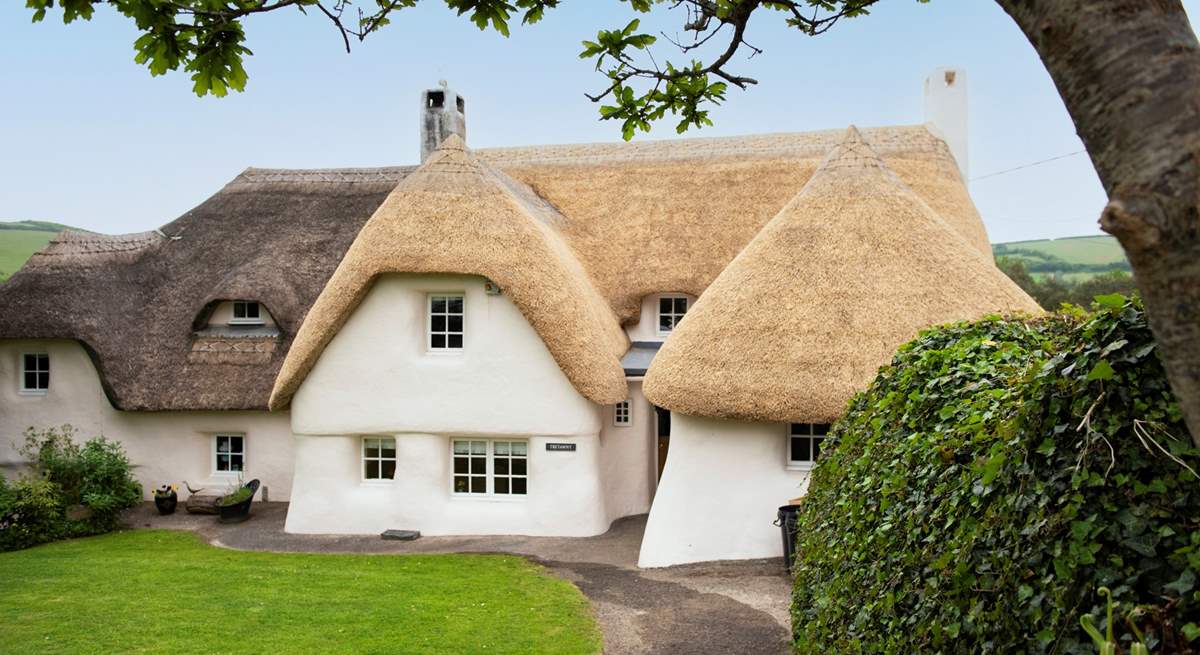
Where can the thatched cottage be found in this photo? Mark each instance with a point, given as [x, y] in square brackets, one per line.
[534, 340]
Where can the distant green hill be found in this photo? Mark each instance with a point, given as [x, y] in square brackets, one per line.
[20, 239]
[1071, 258]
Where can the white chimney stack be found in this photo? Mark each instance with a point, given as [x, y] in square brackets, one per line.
[946, 111]
[443, 112]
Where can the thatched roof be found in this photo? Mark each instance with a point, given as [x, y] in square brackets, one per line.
[853, 266]
[620, 220]
[132, 300]
[456, 214]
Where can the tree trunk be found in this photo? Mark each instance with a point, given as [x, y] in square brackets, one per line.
[1129, 73]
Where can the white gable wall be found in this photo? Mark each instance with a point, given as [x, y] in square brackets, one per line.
[377, 378]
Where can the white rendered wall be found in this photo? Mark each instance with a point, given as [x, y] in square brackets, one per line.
[377, 376]
[946, 111]
[164, 446]
[564, 494]
[627, 452]
[646, 329]
[723, 483]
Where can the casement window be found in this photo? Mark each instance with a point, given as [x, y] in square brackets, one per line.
[496, 468]
[229, 453]
[246, 312]
[670, 311]
[35, 373]
[445, 322]
[379, 458]
[622, 414]
[804, 444]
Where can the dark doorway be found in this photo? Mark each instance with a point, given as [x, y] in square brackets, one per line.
[663, 420]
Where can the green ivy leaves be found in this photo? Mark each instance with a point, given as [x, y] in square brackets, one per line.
[989, 481]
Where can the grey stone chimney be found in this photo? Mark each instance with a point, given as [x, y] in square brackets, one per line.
[443, 112]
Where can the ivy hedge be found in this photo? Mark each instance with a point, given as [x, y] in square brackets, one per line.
[990, 480]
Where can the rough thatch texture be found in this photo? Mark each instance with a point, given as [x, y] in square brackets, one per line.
[131, 300]
[851, 268]
[455, 214]
[657, 216]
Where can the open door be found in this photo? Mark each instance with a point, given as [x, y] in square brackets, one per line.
[663, 421]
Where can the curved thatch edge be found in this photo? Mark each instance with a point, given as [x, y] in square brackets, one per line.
[854, 266]
[484, 224]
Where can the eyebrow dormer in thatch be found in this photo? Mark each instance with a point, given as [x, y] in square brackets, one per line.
[803, 317]
[456, 214]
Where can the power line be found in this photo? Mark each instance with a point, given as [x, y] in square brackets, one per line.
[1029, 165]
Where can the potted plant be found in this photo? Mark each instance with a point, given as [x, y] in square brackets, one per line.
[166, 498]
[235, 505]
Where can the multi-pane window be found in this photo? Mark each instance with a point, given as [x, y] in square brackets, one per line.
[621, 413]
[510, 467]
[445, 322]
[670, 311]
[246, 312]
[379, 458]
[35, 372]
[230, 453]
[804, 443]
[490, 467]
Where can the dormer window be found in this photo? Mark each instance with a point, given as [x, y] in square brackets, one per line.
[246, 312]
[670, 311]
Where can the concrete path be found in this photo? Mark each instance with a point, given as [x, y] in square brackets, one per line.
[717, 608]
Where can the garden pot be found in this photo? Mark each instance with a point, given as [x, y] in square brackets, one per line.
[166, 504]
[239, 511]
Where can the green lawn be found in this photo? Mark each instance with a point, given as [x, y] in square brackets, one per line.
[152, 591]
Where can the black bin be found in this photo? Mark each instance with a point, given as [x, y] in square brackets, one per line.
[788, 529]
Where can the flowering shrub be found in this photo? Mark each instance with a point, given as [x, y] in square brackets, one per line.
[990, 481]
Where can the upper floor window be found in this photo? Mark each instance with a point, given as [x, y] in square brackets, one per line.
[445, 322]
[622, 414]
[246, 312]
[498, 468]
[379, 458]
[229, 453]
[35, 373]
[804, 444]
[670, 311]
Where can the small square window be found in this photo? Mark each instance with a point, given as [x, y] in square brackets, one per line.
[670, 311]
[379, 458]
[445, 322]
[35, 373]
[246, 312]
[229, 453]
[622, 414]
[804, 444]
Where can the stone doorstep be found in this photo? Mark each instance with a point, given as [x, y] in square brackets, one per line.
[400, 535]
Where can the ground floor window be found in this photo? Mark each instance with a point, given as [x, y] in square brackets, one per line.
[804, 444]
[229, 453]
[483, 467]
[379, 458]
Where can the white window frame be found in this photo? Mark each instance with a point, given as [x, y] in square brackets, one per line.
[34, 391]
[216, 440]
[623, 414]
[379, 460]
[807, 431]
[489, 473]
[675, 317]
[447, 332]
[244, 319]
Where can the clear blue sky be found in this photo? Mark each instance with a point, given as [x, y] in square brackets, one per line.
[90, 139]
